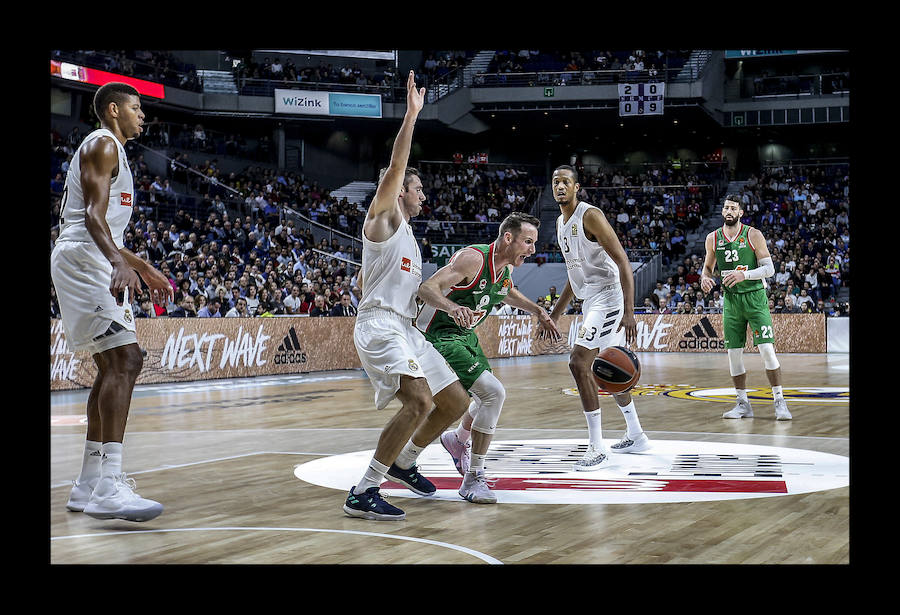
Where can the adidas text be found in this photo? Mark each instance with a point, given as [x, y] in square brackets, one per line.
[289, 351]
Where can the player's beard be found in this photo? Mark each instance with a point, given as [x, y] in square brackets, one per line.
[734, 221]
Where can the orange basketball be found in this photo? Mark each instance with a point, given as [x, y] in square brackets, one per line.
[616, 369]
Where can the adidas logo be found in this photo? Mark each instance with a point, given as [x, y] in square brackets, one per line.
[290, 350]
[99, 309]
[702, 336]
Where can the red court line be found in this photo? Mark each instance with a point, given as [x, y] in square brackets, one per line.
[599, 484]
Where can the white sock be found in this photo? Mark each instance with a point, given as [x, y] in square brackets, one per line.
[595, 432]
[477, 463]
[373, 477]
[463, 434]
[778, 393]
[111, 460]
[90, 462]
[742, 395]
[633, 424]
[408, 455]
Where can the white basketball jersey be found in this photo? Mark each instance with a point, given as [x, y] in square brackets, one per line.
[392, 272]
[121, 197]
[589, 266]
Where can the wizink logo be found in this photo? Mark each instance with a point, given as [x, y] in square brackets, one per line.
[702, 336]
[290, 351]
[301, 101]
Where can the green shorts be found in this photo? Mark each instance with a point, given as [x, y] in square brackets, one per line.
[742, 309]
[465, 357]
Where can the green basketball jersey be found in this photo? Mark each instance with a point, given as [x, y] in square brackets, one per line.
[482, 293]
[736, 255]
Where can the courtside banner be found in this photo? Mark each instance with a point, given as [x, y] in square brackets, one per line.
[188, 349]
[305, 102]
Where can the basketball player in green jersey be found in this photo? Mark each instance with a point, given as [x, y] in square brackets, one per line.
[742, 257]
[478, 277]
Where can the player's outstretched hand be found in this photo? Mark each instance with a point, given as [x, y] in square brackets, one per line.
[415, 98]
[547, 328]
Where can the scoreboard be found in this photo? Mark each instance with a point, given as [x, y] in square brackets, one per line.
[641, 98]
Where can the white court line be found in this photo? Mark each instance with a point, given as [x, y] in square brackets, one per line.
[173, 466]
[482, 556]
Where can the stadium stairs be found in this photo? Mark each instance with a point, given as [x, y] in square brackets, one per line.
[356, 192]
[217, 81]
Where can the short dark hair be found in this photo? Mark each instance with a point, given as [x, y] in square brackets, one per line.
[514, 221]
[410, 171]
[113, 91]
[735, 198]
[566, 167]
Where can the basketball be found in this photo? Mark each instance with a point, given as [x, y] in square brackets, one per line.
[616, 369]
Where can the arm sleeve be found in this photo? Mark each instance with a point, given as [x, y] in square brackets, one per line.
[766, 269]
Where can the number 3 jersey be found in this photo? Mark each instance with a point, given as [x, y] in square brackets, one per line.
[485, 290]
[590, 268]
[737, 254]
[121, 194]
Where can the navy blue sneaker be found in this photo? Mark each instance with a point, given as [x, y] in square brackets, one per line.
[370, 505]
[414, 481]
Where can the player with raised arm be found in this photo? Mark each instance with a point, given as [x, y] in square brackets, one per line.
[478, 277]
[742, 257]
[395, 355]
[599, 273]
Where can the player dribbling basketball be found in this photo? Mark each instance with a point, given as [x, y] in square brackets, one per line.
[600, 274]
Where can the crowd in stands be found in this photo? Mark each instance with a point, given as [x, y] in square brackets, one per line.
[654, 209]
[228, 249]
[157, 66]
[482, 194]
[803, 212]
[579, 67]
[436, 64]
[344, 71]
[256, 264]
[219, 266]
[198, 138]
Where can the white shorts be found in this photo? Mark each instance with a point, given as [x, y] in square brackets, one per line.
[602, 315]
[81, 276]
[390, 346]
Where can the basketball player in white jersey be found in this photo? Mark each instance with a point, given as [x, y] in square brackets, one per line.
[600, 274]
[93, 275]
[398, 359]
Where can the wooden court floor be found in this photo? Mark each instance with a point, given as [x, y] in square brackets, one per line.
[221, 457]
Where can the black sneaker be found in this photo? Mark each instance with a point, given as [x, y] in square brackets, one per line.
[414, 481]
[370, 505]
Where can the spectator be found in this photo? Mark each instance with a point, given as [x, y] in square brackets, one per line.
[211, 309]
[345, 307]
[185, 309]
[319, 308]
[293, 301]
[239, 310]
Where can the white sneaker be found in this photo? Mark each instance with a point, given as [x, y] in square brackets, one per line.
[114, 498]
[81, 495]
[631, 445]
[741, 410]
[781, 411]
[593, 459]
[474, 488]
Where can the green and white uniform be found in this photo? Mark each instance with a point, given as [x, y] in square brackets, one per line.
[746, 302]
[459, 345]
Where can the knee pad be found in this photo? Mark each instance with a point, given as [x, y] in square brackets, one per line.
[490, 395]
[736, 361]
[767, 351]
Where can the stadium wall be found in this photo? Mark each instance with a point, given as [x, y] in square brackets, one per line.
[191, 349]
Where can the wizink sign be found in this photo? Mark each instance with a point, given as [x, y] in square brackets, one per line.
[304, 102]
